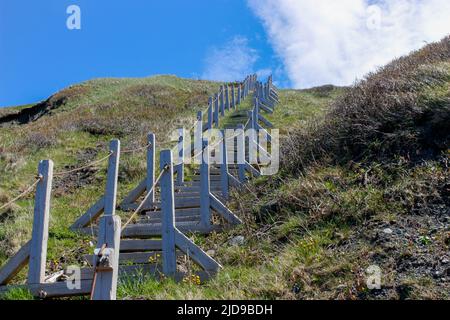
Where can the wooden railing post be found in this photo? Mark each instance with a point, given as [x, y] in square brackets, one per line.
[241, 153]
[198, 138]
[109, 232]
[252, 151]
[108, 244]
[222, 101]
[210, 114]
[224, 180]
[111, 179]
[227, 97]
[205, 184]
[179, 167]
[246, 83]
[151, 154]
[168, 214]
[216, 110]
[38, 250]
[233, 97]
[239, 94]
[255, 126]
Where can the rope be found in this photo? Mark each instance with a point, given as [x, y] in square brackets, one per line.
[94, 281]
[138, 209]
[135, 150]
[23, 194]
[91, 164]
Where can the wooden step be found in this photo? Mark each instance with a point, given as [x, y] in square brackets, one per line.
[151, 269]
[133, 245]
[150, 230]
[185, 212]
[134, 257]
[211, 177]
[147, 219]
[180, 202]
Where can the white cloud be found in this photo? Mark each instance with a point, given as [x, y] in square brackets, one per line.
[230, 62]
[329, 41]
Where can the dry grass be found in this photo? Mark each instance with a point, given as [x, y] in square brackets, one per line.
[402, 110]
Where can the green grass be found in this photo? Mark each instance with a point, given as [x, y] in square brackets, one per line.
[78, 132]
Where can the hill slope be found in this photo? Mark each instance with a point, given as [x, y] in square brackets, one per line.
[364, 182]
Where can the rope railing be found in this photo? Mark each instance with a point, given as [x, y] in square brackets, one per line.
[23, 194]
[128, 151]
[149, 192]
[109, 226]
[90, 164]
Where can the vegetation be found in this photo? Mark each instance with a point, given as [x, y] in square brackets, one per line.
[365, 181]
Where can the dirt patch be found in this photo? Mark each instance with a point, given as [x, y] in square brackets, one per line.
[37, 111]
[411, 251]
[70, 182]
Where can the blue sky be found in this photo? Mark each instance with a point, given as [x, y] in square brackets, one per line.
[39, 55]
[304, 43]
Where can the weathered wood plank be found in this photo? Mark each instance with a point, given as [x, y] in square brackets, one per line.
[168, 211]
[16, 263]
[92, 214]
[179, 166]
[135, 257]
[150, 179]
[140, 245]
[221, 209]
[224, 180]
[178, 220]
[134, 194]
[149, 230]
[111, 178]
[181, 202]
[216, 110]
[241, 154]
[233, 97]
[109, 235]
[194, 252]
[181, 212]
[205, 187]
[209, 125]
[38, 248]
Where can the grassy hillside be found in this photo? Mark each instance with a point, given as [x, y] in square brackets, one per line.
[73, 127]
[364, 181]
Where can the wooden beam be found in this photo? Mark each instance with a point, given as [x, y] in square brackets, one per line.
[111, 178]
[224, 182]
[140, 245]
[168, 210]
[38, 249]
[233, 97]
[194, 252]
[223, 210]
[109, 236]
[216, 110]
[16, 263]
[205, 187]
[227, 97]
[241, 154]
[150, 180]
[210, 114]
[92, 214]
[198, 139]
[134, 194]
[179, 166]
